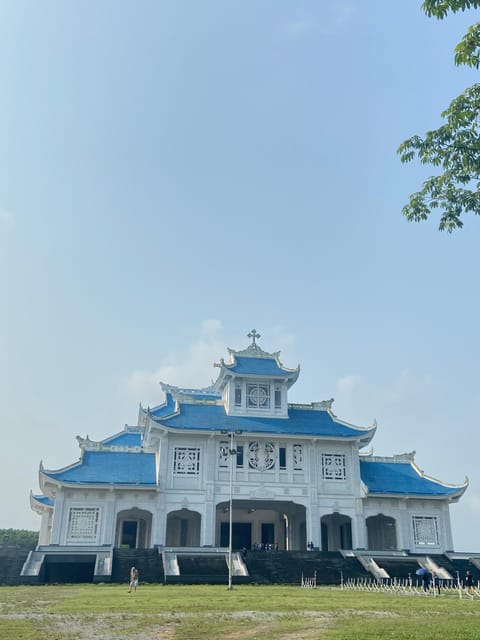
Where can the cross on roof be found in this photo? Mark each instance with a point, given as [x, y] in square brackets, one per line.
[253, 335]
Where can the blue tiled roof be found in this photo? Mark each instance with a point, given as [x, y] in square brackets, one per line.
[43, 500]
[299, 421]
[110, 467]
[259, 366]
[401, 478]
[126, 439]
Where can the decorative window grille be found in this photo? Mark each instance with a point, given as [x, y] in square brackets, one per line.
[278, 397]
[261, 455]
[425, 530]
[333, 466]
[186, 461]
[83, 524]
[297, 457]
[258, 396]
[238, 395]
[223, 453]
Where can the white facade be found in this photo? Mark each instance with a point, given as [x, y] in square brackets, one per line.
[295, 475]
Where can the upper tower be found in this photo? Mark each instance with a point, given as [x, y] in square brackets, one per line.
[254, 382]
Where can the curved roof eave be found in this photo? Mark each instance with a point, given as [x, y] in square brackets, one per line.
[103, 485]
[291, 375]
[372, 427]
[420, 496]
[364, 437]
[461, 488]
[38, 505]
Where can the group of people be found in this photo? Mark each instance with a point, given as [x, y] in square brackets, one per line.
[426, 580]
[265, 546]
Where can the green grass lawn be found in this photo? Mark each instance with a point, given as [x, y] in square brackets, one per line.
[156, 612]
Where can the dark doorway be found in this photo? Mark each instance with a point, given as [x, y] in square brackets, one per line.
[69, 569]
[381, 533]
[346, 535]
[129, 534]
[324, 537]
[241, 535]
[268, 533]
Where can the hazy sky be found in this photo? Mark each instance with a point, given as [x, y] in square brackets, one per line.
[173, 174]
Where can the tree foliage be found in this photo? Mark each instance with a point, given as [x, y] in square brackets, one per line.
[19, 538]
[454, 147]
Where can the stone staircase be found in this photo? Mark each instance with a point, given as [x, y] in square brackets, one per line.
[201, 566]
[459, 564]
[401, 567]
[288, 567]
[148, 562]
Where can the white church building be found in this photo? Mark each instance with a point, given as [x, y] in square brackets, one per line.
[293, 474]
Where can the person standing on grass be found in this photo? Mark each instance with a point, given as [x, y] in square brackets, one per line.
[426, 581]
[133, 579]
[469, 581]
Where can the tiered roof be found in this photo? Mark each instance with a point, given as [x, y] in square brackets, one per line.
[253, 361]
[120, 459]
[124, 458]
[305, 420]
[400, 476]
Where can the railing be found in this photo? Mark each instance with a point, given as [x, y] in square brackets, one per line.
[412, 586]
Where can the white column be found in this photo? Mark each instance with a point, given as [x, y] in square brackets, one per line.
[359, 528]
[58, 519]
[159, 522]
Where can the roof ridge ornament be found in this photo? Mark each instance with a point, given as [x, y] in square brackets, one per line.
[253, 335]
[253, 350]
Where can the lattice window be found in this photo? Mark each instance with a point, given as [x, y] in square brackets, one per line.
[425, 530]
[186, 461]
[333, 466]
[83, 524]
[297, 457]
[258, 396]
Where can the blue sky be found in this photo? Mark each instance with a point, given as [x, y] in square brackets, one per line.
[173, 174]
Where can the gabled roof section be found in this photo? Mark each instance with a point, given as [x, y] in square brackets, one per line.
[108, 468]
[400, 476]
[129, 437]
[253, 361]
[303, 420]
[180, 393]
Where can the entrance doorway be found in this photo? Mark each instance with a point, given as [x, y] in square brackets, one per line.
[129, 534]
[241, 535]
[336, 532]
[268, 534]
[133, 530]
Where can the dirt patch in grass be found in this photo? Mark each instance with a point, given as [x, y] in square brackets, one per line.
[239, 625]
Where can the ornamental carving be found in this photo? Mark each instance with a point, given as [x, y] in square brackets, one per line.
[261, 456]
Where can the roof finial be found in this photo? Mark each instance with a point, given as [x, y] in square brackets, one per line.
[253, 335]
